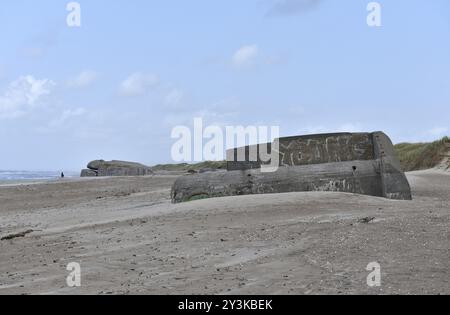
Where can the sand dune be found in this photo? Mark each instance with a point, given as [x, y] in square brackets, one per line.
[129, 239]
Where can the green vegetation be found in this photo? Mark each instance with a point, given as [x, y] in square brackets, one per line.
[419, 156]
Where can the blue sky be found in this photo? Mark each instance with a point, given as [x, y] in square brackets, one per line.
[116, 87]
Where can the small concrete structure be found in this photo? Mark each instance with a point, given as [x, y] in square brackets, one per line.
[115, 168]
[361, 163]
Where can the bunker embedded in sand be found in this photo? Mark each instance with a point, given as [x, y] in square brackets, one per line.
[102, 168]
[361, 163]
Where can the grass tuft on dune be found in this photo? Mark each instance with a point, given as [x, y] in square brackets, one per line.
[420, 156]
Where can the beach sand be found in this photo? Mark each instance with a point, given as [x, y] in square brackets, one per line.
[129, 239]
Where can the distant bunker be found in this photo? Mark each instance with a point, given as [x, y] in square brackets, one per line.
[101, 168]
[360, 163]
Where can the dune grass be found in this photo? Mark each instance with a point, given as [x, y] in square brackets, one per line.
[420, 156]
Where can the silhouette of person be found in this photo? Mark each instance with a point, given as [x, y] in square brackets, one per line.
[62, 174]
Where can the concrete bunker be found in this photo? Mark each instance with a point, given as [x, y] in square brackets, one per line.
[361, 163]
[101, 168]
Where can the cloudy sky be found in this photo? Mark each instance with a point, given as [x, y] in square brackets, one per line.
[115, 87]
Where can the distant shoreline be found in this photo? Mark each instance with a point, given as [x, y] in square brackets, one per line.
[10, 176]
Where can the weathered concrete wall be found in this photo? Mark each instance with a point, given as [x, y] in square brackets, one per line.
[393, 181]
[306, 150]
[115, 168]
[363, 163]
[354, 177]
[318, 149]
[88, 173]
[247, 158]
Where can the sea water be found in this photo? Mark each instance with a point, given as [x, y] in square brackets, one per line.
[6, 176]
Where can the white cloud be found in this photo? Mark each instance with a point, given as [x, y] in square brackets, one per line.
[22, 95]
[138, 84]
[83, 79]
[438, 131]
[245, 56]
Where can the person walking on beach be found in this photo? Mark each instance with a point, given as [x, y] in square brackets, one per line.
[62, 175]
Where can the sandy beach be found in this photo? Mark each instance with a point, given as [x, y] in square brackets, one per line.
[129, 239]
